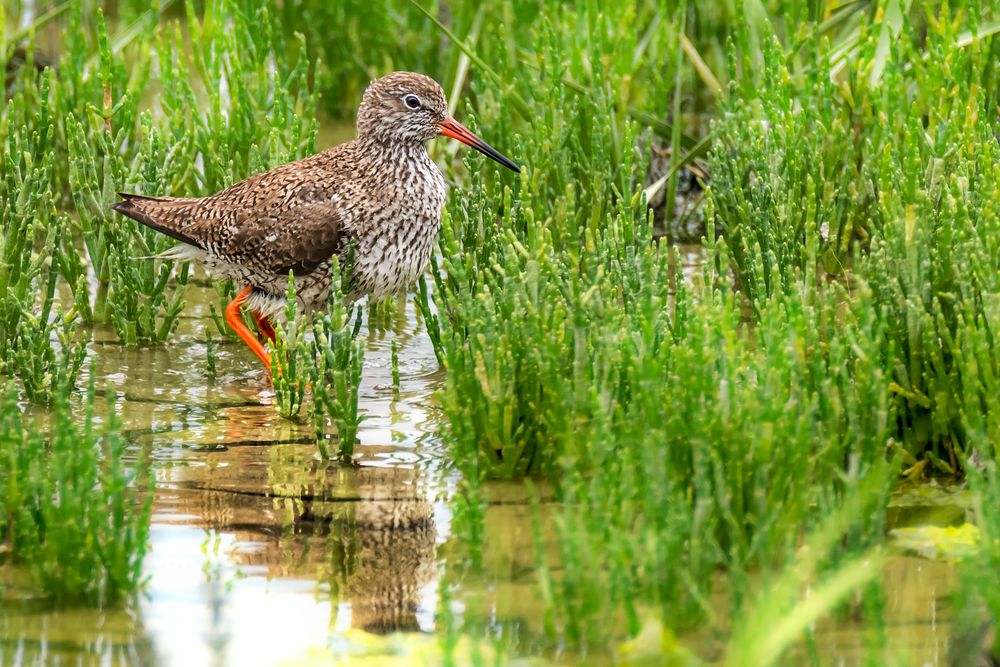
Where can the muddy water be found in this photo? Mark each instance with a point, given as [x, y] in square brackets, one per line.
[262, 554]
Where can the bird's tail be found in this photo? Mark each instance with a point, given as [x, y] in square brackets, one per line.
[157, 213]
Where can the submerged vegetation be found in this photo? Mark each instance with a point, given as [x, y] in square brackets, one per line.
[685, 434]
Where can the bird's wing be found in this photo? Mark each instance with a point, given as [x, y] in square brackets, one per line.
[285, 219]
[298, 238]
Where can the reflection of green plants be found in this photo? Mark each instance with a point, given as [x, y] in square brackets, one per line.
[71, 512]
[210, 352]
[394, 361]
[383, 315]
[344, 548]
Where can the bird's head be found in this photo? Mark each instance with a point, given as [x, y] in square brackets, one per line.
[410, 108]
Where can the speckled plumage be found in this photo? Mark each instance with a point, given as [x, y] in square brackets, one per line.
[380, 193]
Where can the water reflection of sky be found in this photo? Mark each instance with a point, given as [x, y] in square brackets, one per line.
[205, 609]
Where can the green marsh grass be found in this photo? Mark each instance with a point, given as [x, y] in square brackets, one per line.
[288, 358]
[519, 296]
[226, 292]
[692, 424]
[289, 361]
[883, 181]
[37, 340]
[48, 355]
[319, 355]
[337, 360]
[727, 468]
[73, 514]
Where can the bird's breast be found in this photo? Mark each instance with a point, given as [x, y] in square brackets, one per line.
[394, 232]
[392, 255]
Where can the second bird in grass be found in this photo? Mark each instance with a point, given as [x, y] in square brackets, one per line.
[378, 196]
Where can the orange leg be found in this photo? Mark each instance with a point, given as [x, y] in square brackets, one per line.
[264, 325]
[236, 322]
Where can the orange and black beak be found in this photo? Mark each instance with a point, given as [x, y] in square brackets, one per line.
[452, 128]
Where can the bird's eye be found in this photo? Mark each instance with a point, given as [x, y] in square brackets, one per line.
[412, 101]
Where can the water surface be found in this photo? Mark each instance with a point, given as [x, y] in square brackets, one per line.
[263, 554]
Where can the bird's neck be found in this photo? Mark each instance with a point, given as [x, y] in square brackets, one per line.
[394, 155]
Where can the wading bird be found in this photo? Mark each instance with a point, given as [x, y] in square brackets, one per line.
[378, 197]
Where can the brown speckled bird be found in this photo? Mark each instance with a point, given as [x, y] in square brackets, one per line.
[379, 195]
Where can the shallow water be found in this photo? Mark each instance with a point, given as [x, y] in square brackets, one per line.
[262, 554]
